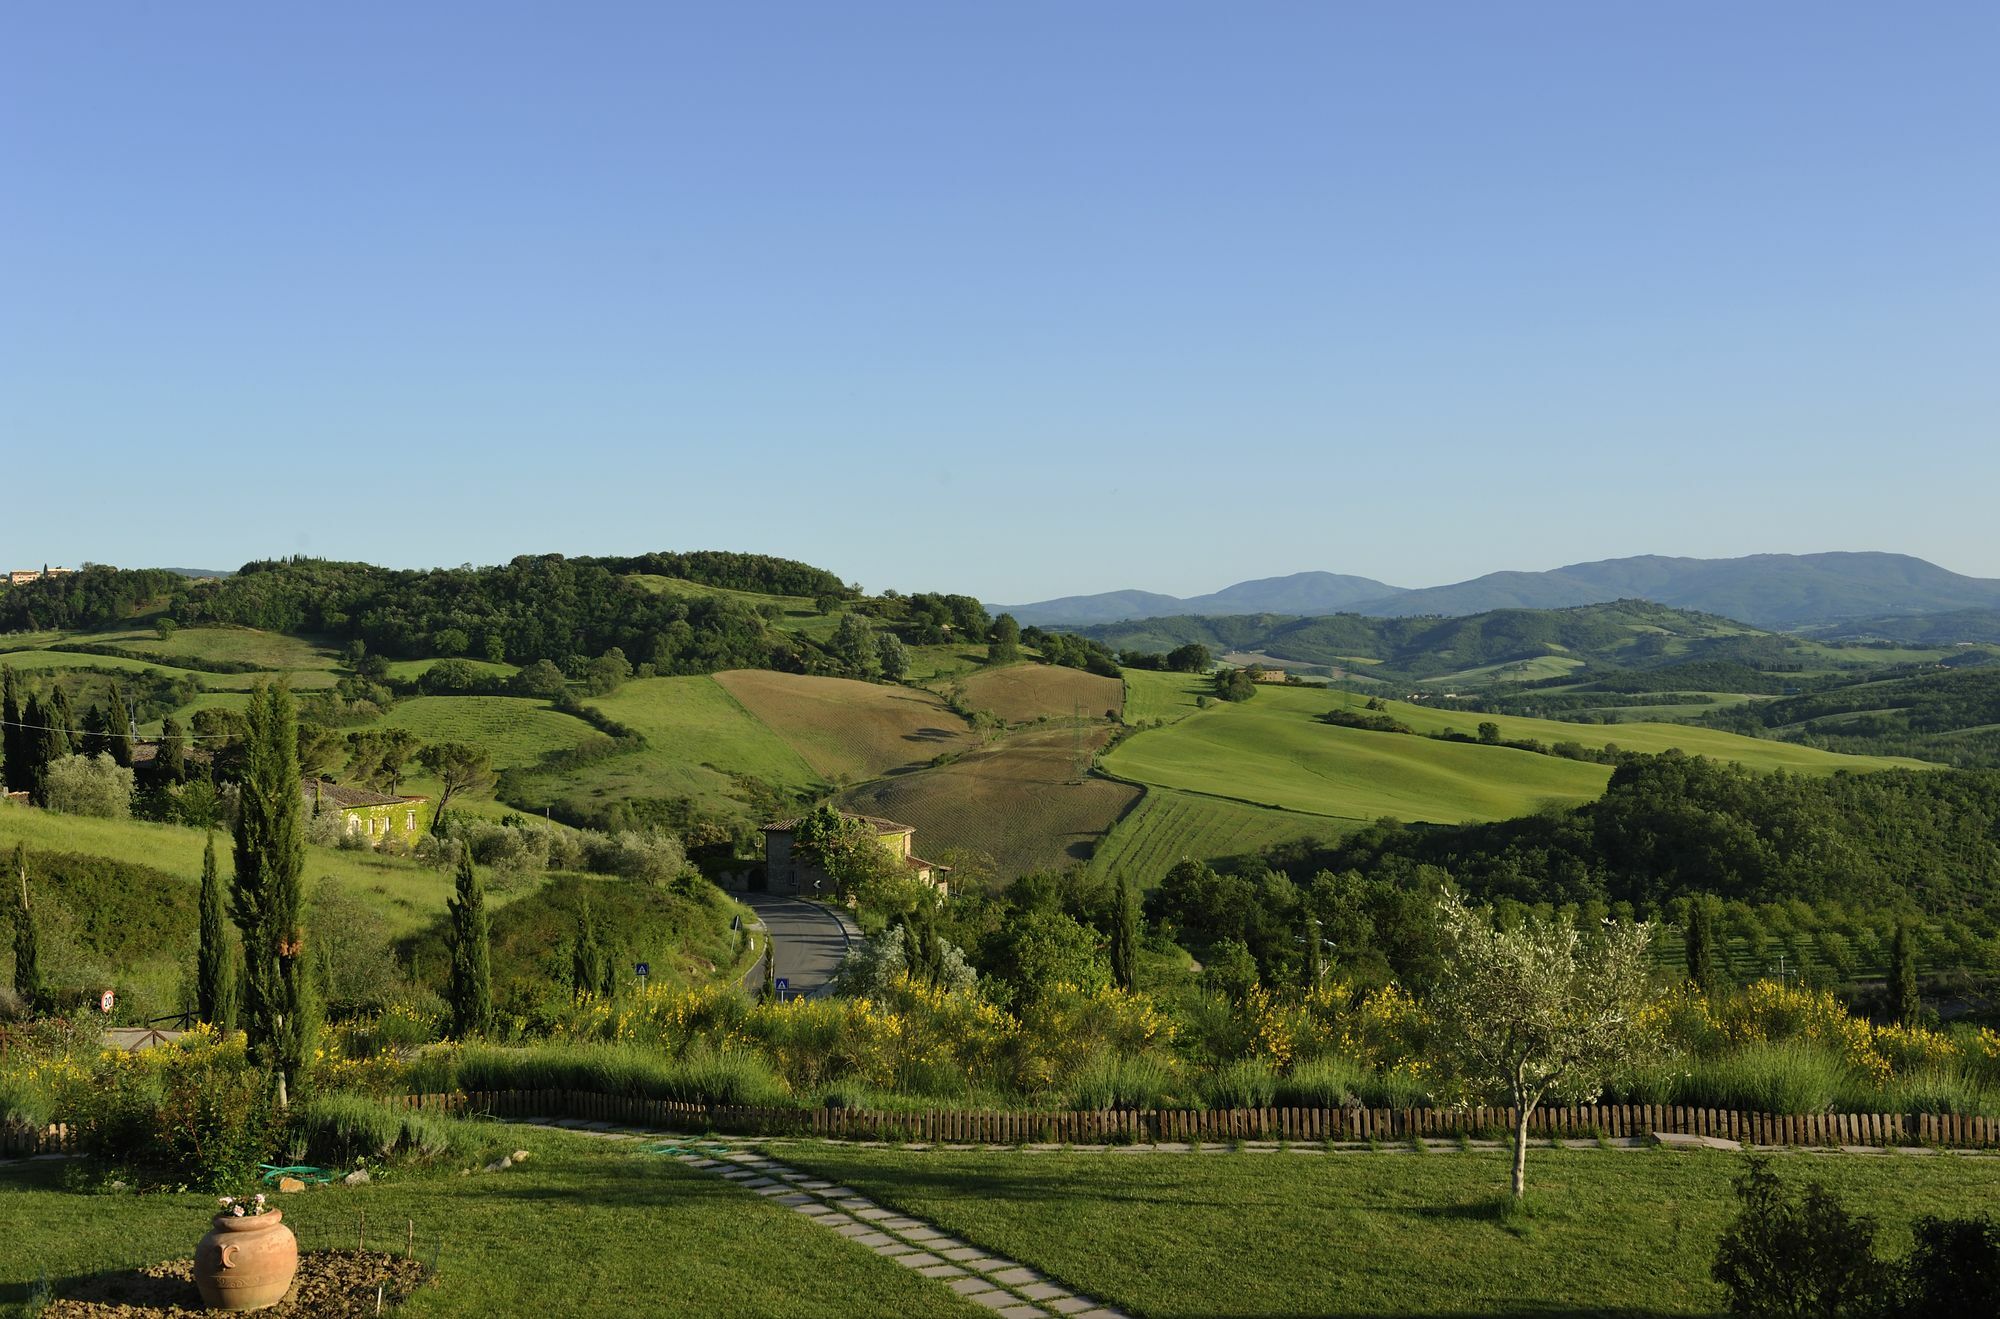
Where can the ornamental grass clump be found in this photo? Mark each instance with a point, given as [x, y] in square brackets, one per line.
[338, 1130]
[622, 1069]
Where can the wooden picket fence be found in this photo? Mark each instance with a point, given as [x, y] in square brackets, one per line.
[1128, 1126]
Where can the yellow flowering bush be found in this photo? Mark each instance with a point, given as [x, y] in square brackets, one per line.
[1067, 1029]
[1380, 1028]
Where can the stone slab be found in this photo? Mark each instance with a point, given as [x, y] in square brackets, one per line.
[1677, 1141]
[1017, 1276]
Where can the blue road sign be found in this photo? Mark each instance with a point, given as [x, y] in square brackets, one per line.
[782, 984]
[644, 968]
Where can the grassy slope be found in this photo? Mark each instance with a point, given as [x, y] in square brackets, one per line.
[581, 1229]
[33, 661]
[514, 729]
[1167, 697]
[696, 735]
[799, 615]
[407, 893]
[1272, 751]
[1356, 1234]
[1168, 826]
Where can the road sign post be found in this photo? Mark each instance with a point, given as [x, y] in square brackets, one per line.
[643, 969]
[783, 985]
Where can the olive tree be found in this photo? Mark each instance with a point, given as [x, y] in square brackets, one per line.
[1539, 1011]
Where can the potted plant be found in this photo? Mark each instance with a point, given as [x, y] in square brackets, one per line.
[247, 1261]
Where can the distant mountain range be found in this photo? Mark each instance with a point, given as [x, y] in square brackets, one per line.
[1783, 591]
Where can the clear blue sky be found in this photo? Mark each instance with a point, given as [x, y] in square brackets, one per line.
[1018, 299]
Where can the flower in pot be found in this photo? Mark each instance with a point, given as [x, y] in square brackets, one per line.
[247, 1260]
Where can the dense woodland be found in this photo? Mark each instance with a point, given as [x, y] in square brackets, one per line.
[1671, 825]
[1945, 715]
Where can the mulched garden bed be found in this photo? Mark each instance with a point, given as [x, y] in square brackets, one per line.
[330, 1283]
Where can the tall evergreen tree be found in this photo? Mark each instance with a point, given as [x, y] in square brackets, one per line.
[27, 958]
[53, 724]
[173, 750]
[215, 963]
[584, 972]
[13, 753]
[471, 967]
[96, 739]
[118, 729]
[1313, 965]
[280, 1014]
[28, 769]
[1701, 963]
[1125, 937]
[769, 993]
[1906, 1002]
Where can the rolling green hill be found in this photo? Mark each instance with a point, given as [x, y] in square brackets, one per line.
[1272, 754]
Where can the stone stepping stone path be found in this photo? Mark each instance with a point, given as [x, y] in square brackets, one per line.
[1006, 1287]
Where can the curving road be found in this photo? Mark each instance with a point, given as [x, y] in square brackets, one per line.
[808, 939]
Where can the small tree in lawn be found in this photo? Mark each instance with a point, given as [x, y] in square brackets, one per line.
[215, 967]
[471, 968]
[1539, 1011]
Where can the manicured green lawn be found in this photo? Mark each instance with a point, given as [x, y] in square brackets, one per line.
[1269, 1235]
[584, 1228]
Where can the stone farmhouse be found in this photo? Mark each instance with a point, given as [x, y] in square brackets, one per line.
[21, 577]
[784, 873]
[372, 814]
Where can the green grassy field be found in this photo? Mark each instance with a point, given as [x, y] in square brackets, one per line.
[409, 670]
[800, 614]
[1023, 693]
[1527, 670]
[407, 894]
[1620, 1233]
[1153, 695]
[43, 661]
[515, 729]
[1168, 826]
[237, 645]
[580, 1229]
[1272, 751]
[697, 736]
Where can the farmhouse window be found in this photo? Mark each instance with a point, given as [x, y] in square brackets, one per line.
[409, 821]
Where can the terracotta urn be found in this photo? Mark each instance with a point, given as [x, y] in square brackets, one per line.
[246, 1263]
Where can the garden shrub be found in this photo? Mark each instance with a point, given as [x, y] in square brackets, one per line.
[196, 1112]
[1246, 1084]
[339, 1129]
[1142, 1081]
[1787, 1255]
[612, 1069]
[1953, 1269]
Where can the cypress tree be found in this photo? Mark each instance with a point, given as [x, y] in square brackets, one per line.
[769, 994]
[96, 739]
[1701, 967]
[471, 968]
[13, 756]
[215, 967]
[267, 894]
[1313, 964]
[1125, 937]
[118, 729]
[173, 750]
[59, 738]
[27, 771]
[583, 973]
[1906, 1003]
[27, 959]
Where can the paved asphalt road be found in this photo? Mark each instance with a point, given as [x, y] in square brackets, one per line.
[809, 938]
